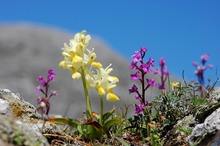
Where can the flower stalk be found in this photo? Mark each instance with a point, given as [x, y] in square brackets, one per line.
[88, 102]
[101, 110]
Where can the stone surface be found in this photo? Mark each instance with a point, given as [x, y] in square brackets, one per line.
[19, 121]
[17, 107]
[16, 133]
[4, 106]
[215, 97]
[202, 133]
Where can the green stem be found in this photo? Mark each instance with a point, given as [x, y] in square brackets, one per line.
[88, 102]
[147, 120]
[101, 110]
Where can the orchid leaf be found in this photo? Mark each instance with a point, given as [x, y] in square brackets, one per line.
[112, 122]
[108, 114]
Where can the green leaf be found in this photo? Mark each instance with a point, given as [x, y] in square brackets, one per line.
[108, 114]
[67, 121]
[93, 132]
[111, 122]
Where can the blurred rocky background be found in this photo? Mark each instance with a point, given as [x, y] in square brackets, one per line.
[27, 51]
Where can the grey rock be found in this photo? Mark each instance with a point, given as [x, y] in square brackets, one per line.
[14, 133]
[215, 97]
[4, 108]
[17, 108]
[20, 123]
[210, 126]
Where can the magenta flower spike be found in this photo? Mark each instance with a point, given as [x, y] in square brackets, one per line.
[135, 76]
[163, 73]
[134, 89]
[200, 69]
[139, 108]
[51, 74]
[44, 102]
[141, 69]
[151, 82]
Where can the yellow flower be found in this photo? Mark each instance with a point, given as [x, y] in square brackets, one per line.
[112, 97]
[175, 84]
[76, 75]
[96, 64]
[103, 82]
[76, 55]
[80, 42]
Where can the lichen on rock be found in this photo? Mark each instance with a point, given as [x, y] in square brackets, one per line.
[19, 121]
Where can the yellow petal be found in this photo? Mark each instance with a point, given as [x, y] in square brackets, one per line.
[113, 79]
[69, 67]
[175, 84]
[112, 97]
[76, 59]
[65, 54]
[62, 64]
[100, 90]
[96, 65]
[76, 75]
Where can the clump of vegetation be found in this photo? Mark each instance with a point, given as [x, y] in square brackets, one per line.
[151, 121]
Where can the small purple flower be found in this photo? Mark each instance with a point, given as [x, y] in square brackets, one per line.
[147, 103]
[151, 82]
[165, 71]
[139, 108]
[143, 50]
[145, 68]
[156, 71]
[205, 57]
[42, 81]
[38, 89]
[54, 93]
[135, 76]
[133, 65]
[210, 66]
[161, 87]
[134, 89]
[195, 63]
[151, 62]
[39, 100]
[51, 74]
[137, 96]
[136, 57]
[162, 62]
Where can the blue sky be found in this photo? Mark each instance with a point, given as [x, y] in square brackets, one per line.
[180, 31]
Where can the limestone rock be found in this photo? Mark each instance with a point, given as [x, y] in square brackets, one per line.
[19, 121]
[12, 132]
[16, 107]
[215, 97]
[202, 133]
